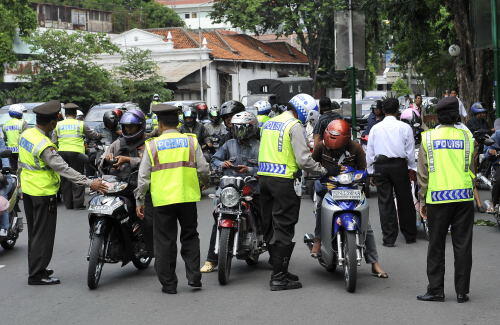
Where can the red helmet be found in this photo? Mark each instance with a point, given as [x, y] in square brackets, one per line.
[337, 134]
[118, 112]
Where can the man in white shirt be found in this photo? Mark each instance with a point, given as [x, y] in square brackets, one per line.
[461, 107]
[391, 155]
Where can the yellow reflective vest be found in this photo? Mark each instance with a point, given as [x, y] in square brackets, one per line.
[262, 119]
[174, 178]
[12, 129]
[449, 156]
[70, 135]
[37, 178]
[276, 157]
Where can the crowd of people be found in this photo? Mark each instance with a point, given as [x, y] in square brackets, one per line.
[175, 159]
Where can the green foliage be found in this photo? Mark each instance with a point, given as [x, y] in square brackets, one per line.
[309, 20]
[139, 78]
[128, 14]
[16, 15]
[400, 88]
[67, 71]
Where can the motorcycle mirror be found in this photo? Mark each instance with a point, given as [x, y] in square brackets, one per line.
[6, 154]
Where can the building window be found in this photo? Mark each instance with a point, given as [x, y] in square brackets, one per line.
[187, 16]
[194, 15]
[263, 66]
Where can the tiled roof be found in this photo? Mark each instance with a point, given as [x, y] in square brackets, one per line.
[231, 46]
[182, 2]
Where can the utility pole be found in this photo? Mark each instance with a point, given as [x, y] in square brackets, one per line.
[201, 49]
[496, 52]
[353, 72]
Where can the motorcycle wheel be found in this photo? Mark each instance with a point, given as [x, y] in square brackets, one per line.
[225, 254]
[350, 261]
[96, 261]
[141, 263]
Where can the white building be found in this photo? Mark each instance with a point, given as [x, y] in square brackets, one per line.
[194, 13]
[227, 60]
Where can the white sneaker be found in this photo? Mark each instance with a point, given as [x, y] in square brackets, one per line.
[3, 232]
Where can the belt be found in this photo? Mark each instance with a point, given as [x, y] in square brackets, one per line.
[380, 159]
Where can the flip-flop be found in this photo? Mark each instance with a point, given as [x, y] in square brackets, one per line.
[380, 275]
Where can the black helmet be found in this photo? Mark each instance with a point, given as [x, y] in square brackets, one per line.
[230, 108]
[110, 119]
[335, 105]
[377, 104]
[188, 111]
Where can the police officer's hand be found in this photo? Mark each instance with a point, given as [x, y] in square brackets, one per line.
[139, 210]
[108, 157]
[227, 164]
[423, 211]
[120, 160]
[412, 175]
[98, 185]
[242, 169]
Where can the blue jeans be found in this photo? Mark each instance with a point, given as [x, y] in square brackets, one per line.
[4, 191]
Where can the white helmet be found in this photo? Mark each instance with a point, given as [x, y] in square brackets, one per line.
[245, 125]
[16, 110]
[303, 104]
[263, 107]
[312, 117]
[156, 97]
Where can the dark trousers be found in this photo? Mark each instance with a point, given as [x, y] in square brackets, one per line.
[280, 208]
[165, 242]
[13, 162]
[495, 191]
[460, 216]
[147, 223]
[73, 195]
[41, 216]
[392, 176]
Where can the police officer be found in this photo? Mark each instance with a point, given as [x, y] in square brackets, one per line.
[12, 129]
[446, 181]
[170, 170]
[263, 108]
[69, 135]
[283, 151]
[41, 166]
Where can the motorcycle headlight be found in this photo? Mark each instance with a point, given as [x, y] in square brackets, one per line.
[345, 179]
[229, 197]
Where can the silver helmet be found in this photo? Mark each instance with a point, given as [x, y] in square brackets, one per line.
[245, 125]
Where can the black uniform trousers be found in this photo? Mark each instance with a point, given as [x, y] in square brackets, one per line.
[41, 216]
[13, 162]
[280, 207]
[460, 216]
[165, 242]
[392, 176]
[73, 195]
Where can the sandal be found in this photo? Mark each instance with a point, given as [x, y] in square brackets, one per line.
[380, 275]
[208, 267]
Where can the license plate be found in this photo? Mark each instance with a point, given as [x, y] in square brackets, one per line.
[346, 194]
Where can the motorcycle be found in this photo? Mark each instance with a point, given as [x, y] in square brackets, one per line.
[486, 172]
[15, 221]
[344, 222]
[114, 235]
[95, 152]
[237, 225]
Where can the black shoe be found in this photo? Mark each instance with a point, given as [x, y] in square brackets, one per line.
[461, 298]
[280, 282]
[290, 276]
[43, 281]
[389, 244]
[195, 284]
[411, 241]
[170, 291]
[430, 297]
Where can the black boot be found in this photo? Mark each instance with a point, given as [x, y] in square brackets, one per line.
[289, 275]
[280, 256]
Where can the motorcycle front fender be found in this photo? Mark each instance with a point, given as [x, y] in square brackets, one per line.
[228, 223]
[348, 221]
[101, 226]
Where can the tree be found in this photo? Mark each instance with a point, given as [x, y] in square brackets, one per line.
[139, 78]
[309, 20]
[67, 70]
[16, 17]
[400, 88]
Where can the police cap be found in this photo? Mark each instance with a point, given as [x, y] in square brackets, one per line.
[164, 109]
[71, 106]
[447, 105]
[49, 108]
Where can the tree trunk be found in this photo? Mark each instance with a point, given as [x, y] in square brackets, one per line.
[473, 67]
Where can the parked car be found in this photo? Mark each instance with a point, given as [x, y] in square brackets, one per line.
[28, 114]
[94, 116]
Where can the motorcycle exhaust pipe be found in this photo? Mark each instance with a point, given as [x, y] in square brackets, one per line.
[485, 180]
[339, 248]
[236, 239]
[216, 249]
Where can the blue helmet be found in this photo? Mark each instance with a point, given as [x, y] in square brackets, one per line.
[133, 117]
[303, 104]
[477, 108]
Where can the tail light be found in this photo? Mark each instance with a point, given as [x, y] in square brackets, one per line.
[247, 191]
[227, 223]
[201, 107]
